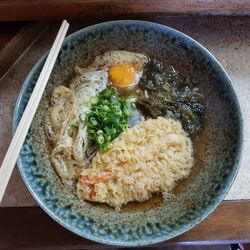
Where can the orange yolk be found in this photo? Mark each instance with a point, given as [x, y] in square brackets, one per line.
[122, 75]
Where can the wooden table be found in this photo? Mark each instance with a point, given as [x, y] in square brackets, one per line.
[23, 224]
[44, 10]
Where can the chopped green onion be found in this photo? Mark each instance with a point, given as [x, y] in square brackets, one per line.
[107, 137]
[105, 107]
[100, 139]
[107, 118]
[99, 132]
[127, 112]
[93, 121]
[113, 99]
[93, 100]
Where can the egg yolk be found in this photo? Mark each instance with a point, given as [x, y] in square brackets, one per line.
[122, 75]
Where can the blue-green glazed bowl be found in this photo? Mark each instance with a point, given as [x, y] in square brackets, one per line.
[217, 149]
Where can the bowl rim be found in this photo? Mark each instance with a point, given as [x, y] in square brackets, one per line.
[206, 212]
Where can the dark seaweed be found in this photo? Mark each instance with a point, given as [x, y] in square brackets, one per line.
[171, 95]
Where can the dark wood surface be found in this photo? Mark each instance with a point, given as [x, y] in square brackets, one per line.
[8, 56]
[7, 31]
[54, 9]
[31, 227]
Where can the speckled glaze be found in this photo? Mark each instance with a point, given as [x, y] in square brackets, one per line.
[217, 148]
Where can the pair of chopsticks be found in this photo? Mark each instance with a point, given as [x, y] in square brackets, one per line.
[30, 110]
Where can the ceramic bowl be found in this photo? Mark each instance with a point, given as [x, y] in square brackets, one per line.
[217, 149]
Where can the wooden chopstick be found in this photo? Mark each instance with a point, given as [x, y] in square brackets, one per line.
[29, 112]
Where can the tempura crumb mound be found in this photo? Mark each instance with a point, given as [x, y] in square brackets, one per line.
[146, 159]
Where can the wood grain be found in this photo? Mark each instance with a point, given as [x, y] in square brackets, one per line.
[8, 30]
[58, 9]
[19, 44]
[31, 227]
